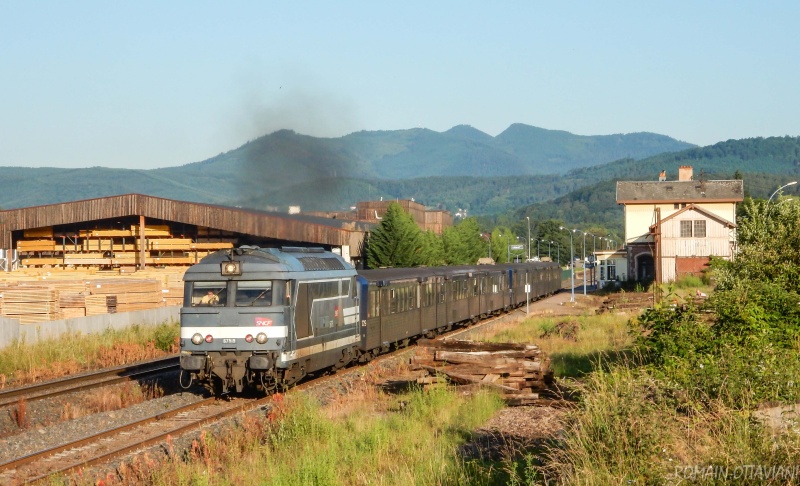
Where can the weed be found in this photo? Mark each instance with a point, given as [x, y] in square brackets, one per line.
[20, 414]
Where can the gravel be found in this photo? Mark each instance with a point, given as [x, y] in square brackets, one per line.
[46, 429]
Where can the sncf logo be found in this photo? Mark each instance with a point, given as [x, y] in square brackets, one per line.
[263, 321]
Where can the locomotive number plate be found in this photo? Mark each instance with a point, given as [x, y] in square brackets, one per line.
[228, 341]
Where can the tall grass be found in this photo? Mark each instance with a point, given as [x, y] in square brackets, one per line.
[628, 431]
[72, 353]
[412, 438]
[573, 343]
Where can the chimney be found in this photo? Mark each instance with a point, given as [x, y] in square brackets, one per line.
[685, 173]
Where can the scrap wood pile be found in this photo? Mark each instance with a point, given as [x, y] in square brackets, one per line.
[626, 302]
[520, 371]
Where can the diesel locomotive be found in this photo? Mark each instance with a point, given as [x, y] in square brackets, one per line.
[264, 318]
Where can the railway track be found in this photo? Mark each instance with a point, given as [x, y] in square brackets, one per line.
[118, 441]
[88, 381]
[102, 447]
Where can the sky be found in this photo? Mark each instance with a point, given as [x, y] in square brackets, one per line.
[146, 84]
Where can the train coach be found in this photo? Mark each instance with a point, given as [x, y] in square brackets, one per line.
[266, 317]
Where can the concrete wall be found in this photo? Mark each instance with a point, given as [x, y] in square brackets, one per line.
[12, 331]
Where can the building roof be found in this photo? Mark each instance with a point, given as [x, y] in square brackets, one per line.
[263, 224]
[650, 192]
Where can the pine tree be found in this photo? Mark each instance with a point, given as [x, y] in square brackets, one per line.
[462, 243]
[396, 242]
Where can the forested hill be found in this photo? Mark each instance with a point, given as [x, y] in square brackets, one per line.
[773, 155]
[286, 168]
[581, 194]
[764, 164]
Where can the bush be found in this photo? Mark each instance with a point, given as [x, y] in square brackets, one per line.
[744, 356]
[166, 337]
[689, 282]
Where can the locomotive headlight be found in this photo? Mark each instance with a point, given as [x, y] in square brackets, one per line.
[230, 268]
[249, 338]
[261, 338]
[197, 338]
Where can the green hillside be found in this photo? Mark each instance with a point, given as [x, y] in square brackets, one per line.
[317, 174]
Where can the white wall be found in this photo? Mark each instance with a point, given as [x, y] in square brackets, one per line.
[12, 331]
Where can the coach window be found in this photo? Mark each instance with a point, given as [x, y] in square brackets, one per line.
[392, 301]
[254, 294]
[374, 303]
[209, 294]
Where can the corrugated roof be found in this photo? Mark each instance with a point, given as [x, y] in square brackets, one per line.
[679, 191]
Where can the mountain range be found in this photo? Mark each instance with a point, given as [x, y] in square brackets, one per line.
[286, 168]
[524, 171]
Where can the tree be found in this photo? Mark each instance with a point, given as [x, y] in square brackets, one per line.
[462, 243]
[396, 242]
[768, 237]
[502, 238]
[434, 253]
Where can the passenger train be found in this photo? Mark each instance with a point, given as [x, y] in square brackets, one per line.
[264, 318]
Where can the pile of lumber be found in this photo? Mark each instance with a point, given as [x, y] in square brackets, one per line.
[29, 304]
[129, 295]
[63, 295]
[519, 371]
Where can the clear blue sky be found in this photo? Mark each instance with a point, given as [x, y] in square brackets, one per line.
[155, 84]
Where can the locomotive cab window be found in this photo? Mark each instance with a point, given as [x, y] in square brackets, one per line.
[254, 294]
[209, 294]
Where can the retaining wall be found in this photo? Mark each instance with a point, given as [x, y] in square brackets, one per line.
[12, 331]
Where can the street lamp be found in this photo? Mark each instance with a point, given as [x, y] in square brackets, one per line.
[558, 251]
[584, 262]
[773, 195]
[571, 262]
[529, 236]
[778, 190]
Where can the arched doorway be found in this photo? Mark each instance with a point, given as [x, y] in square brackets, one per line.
[645, 267]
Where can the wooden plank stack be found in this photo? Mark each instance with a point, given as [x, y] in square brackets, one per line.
[100, 304]
[519, 371]
[119, 247]
[30, 304]
[129, 295]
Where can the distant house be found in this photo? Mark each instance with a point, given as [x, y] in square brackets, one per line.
[612, 265]
[428, 219]
[673, 228]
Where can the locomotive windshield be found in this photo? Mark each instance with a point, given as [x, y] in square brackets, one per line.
[256, 293]
[209, 294]
[249, 293]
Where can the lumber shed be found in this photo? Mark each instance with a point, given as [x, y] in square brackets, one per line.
[136, 231]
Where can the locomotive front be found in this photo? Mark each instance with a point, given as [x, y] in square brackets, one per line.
[237, 317]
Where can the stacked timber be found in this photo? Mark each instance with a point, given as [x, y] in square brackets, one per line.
[100, 304]
[73, 304]
[30, 304]
[519, 371]
[129, 295]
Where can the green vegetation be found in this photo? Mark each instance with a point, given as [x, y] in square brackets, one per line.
[411, 438]
[398, 242]
[575, 345]
[685, 408]
[50, 358]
